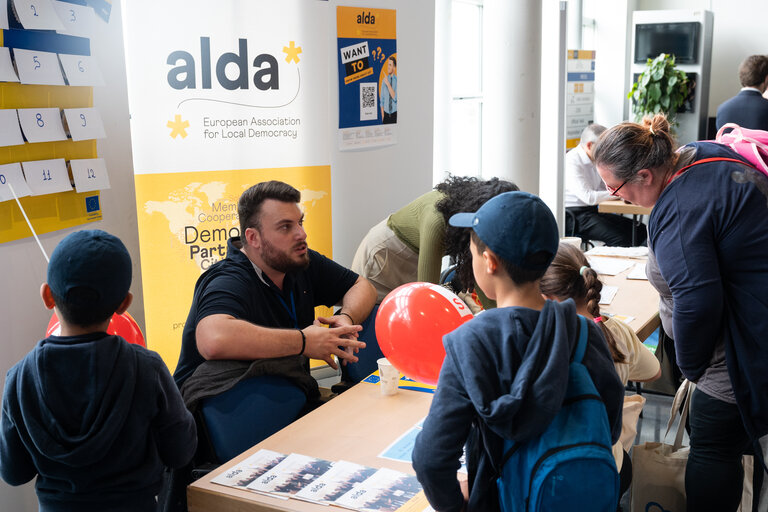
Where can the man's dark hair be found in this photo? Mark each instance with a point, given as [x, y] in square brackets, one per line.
[517, 274]
[753, 70]
[249, 205]
[83, 307]
[463, 194]
[394, 61]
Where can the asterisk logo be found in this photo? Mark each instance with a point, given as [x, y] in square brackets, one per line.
[292, 52]
[178, 127]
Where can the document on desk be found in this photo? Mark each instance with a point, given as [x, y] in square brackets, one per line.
[622, 252]
[242, 474]
[334, 483]
[607, 294]
[385, 490]
[609, 266]
[638, 272]
[290, 476]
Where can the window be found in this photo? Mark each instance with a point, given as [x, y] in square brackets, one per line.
[466, 87]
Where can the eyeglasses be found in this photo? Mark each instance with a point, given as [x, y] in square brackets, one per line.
[615, 191]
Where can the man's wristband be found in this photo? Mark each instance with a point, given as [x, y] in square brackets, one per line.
[303, 342]
[346, 315]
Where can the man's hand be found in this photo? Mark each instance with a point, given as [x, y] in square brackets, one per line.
[324, 343]
[339, 321]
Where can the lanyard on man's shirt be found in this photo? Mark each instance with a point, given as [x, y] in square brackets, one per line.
[292, 310]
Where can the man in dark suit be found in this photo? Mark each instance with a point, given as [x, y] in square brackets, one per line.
[748, 109]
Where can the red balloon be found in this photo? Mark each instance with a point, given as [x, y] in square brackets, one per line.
[123, 325]
[411, 323]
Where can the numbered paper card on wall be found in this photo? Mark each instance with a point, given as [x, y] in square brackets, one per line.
[38, 67]
[10, 132]
[81, 70]
[37, 15]
[41, 124]
[84, 123]
[47, 176]
[90, 174]
[7, 73]
[78, 20]
[12, 182]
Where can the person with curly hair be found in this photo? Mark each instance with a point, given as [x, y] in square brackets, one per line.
[409, 245]
[709, 233]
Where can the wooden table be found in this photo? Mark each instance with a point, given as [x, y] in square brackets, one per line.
[622, 207]
[360, 423]
[356, 426]
[637, 298]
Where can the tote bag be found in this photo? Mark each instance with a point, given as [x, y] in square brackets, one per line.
[658, 469]
[658, 480]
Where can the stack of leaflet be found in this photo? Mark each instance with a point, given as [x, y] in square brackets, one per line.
[344, 484]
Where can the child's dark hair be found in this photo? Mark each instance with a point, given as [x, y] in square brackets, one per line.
[517, 274]
[565, 279]
[83, 307]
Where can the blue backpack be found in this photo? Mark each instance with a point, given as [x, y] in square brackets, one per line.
[570, 466]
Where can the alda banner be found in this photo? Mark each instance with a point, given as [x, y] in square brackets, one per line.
[222, 95]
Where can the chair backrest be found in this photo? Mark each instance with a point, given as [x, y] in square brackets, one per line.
[250, 412]
[366, 364]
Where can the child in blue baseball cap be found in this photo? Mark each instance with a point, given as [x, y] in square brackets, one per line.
[505, 371]
[95, 418]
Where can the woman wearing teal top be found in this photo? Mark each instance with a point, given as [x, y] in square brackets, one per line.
[409, 245]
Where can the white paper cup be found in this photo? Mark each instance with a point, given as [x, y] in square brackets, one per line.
[571, 240]
[389, 375]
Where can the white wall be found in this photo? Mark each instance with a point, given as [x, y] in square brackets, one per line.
[612, 44]
[369, 185]
[22, 315]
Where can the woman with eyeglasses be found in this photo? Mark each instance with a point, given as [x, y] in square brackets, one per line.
[709, 233]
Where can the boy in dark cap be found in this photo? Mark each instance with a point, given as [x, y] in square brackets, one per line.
[93, 417]
[507, 369]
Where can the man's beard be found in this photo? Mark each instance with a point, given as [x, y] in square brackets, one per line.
[281, 261]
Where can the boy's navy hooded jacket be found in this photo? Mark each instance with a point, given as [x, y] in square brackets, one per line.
[96, 419]
[507, 368]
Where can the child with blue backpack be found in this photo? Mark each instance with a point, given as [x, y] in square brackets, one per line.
[507, 383]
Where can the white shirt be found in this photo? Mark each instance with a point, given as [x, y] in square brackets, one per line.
[583, 186]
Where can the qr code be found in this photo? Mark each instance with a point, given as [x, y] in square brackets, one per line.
[368, 100]
[368, 94]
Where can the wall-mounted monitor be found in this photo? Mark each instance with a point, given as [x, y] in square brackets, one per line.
[678, 39]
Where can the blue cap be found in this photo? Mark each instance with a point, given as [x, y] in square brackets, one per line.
[515, 226]
[91, 259]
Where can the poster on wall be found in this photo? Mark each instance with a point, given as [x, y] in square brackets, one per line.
[368, 80]
[580, 95]
[222, 95]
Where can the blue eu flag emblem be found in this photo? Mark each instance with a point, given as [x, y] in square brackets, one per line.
[92, 204]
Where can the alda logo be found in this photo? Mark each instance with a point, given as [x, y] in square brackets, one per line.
[184, 74]
[367, 18]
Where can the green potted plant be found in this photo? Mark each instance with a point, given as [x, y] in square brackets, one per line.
[660, 88]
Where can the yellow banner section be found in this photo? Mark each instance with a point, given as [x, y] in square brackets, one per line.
[360, 22]
[184, 222]
[358, 76]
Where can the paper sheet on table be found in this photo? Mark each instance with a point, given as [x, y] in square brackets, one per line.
[637, 272]
[608, 293]
[624, 252]
[624, 318]
[250, 469]
[609, 266]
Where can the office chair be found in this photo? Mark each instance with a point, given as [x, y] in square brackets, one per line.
[353, 373]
